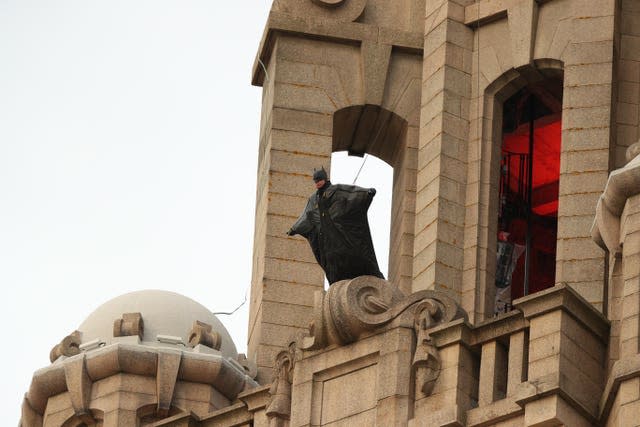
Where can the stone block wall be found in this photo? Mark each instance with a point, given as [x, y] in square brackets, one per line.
[329, 84]
[570, 40]
[366, 383]
[442, 155]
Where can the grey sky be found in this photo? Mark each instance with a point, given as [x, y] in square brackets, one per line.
[128, 147]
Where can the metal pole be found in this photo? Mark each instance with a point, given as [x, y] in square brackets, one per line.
[527, 253]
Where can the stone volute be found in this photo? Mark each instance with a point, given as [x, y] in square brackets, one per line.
[623, 183]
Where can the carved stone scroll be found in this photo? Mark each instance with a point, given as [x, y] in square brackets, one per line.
[279, 408]
[69, 346]
[131, 324]
[203, 333]
[353, 308]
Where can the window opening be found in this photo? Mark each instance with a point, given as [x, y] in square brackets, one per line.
[528, 193]
[374, 174]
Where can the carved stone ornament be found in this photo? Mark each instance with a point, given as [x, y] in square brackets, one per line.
[202, 333]
[426, 360]
[69, 346]
[334, 10]
[279, 408]
[131, 324]
[622, 184]
[354, 308]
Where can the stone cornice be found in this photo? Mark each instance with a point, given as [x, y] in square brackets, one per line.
[484, 11]
[458, 331]
[346, 32]
[224, 375]
[563, 297]
[494, 328]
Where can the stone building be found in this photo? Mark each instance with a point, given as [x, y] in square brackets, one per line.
[513, 293]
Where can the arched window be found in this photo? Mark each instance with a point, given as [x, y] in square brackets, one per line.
[528, 192]
[372, 173]
[390, 143]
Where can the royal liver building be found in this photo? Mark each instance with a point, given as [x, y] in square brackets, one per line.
[513, 291]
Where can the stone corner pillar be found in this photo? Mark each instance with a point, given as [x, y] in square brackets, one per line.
[567, 351]
[617, 230]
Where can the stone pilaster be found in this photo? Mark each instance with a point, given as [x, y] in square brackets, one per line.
[567, 348]
[444, 132]
[617, 229]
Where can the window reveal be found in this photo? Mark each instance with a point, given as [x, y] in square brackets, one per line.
[528, 198]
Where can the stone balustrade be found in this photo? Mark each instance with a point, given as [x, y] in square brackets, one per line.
[540, 364]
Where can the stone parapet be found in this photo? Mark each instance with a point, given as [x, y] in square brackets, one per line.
[566, 357]
[540, 364]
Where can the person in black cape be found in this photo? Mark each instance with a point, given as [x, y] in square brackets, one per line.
[334, 221]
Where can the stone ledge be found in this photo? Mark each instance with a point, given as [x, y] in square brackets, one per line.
[549, 385]
[449, 416]
[500, 410]
[256, 398]
[500, 326]
[458, 331]
[563, 297]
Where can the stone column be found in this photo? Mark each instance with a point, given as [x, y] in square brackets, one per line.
[617, 229]
[586, 135]
[444, 132]
[567, 348]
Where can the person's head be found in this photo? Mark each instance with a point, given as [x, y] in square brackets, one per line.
[320, 177]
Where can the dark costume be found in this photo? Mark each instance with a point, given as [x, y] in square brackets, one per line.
[336, 226]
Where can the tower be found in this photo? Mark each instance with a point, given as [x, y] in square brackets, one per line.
[334, 78]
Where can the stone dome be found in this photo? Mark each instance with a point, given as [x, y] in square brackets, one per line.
[163, 313]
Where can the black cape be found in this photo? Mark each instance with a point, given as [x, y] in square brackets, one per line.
[336, 226]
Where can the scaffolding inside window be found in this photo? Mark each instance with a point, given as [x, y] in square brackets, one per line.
[528, 193]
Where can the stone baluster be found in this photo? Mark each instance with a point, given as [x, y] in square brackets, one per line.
[493, 371]
[517, 369]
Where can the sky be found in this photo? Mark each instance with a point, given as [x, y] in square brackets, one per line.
[128, 156]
